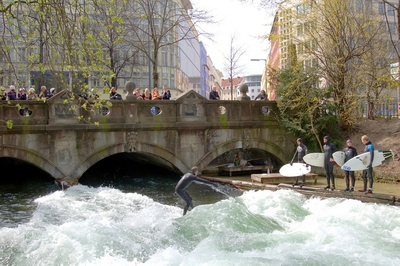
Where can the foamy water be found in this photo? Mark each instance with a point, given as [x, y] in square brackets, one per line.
[104, 226]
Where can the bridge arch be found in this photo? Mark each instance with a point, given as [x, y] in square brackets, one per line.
[146, 148]
[267, 146]
[35, 159]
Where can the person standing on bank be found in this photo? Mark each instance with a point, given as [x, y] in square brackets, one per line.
[329, 149]
[214, 94]
[185, 181]
[349, 153]
[369, 147]
[301, 151]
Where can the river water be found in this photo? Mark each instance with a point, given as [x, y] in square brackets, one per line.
[141, 223]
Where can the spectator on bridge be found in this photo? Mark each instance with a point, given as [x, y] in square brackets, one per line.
[214, 94]
[155, 95]
[185, 181]
[114, 95]
[44, 93]
[262, 96]
[32, 94]
[12, 95]
[136, 93]
[22, 95]
[52, 92]
[146, 94]
[165, 94]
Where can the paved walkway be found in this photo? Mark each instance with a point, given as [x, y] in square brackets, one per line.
[384, 193]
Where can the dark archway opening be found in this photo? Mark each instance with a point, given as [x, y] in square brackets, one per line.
[254, 156]
[20, 184]
[142, 173]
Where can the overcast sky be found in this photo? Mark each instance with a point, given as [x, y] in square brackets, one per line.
[243, 20]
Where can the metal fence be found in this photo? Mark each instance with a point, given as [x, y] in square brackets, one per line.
[385, 110]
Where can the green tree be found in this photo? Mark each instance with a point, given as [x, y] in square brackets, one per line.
[304, 108]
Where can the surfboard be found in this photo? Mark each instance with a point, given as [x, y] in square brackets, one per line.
[296, 169]
[315, 159]
[361, 162]
[339, 157]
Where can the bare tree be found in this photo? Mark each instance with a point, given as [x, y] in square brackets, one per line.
[342, 36]
[232, 61]
[106, 26]
[155, 25]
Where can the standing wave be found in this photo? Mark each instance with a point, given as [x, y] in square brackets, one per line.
[104, 226]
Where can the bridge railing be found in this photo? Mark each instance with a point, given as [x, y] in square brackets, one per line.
[61, 111]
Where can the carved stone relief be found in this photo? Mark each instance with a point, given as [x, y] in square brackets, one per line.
[131, 141]
[246, 141]
[211, 139]
[189, 109]
[64, 156]
[63, 111]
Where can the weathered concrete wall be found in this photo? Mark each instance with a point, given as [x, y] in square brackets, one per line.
[189, 131]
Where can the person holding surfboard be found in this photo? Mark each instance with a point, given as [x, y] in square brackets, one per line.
[329, 149]
[301, 151]
[349, 153]
[185, 181]
[369, 147]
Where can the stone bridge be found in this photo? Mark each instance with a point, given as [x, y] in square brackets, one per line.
[64, 137]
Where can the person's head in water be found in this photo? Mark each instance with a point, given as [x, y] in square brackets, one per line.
[195, 170]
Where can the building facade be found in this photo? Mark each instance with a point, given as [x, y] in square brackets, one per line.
[100, 58]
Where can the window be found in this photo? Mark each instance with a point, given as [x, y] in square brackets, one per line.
[381, 8]
[299, 30]
[390, 11]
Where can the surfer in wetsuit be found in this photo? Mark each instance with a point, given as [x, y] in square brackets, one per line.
[185, 181]
[301, 152]
[369, 147]
[349, 153]
[329, 149]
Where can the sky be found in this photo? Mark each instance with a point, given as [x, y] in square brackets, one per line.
[247, 23]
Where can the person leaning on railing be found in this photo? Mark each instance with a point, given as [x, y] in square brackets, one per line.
[214, 94]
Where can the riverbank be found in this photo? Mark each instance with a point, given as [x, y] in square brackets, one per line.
[384, 193]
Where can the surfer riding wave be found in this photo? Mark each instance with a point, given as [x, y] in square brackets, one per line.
[185, 181]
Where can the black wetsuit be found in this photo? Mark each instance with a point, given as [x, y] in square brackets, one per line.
[369, 147]
[185, 181]
[329, 149]
[349, 152]
[301, 152]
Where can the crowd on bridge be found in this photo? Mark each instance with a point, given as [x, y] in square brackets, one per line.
[165, 94]
[22, 94]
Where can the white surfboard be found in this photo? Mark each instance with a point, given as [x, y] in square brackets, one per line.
[315, 159]
[339, 157]
[296, 169]
[361, 162]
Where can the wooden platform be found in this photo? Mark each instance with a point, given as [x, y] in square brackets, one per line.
[277, 178]
[240, 168]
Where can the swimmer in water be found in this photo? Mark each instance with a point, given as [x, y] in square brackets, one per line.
[185, 181]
